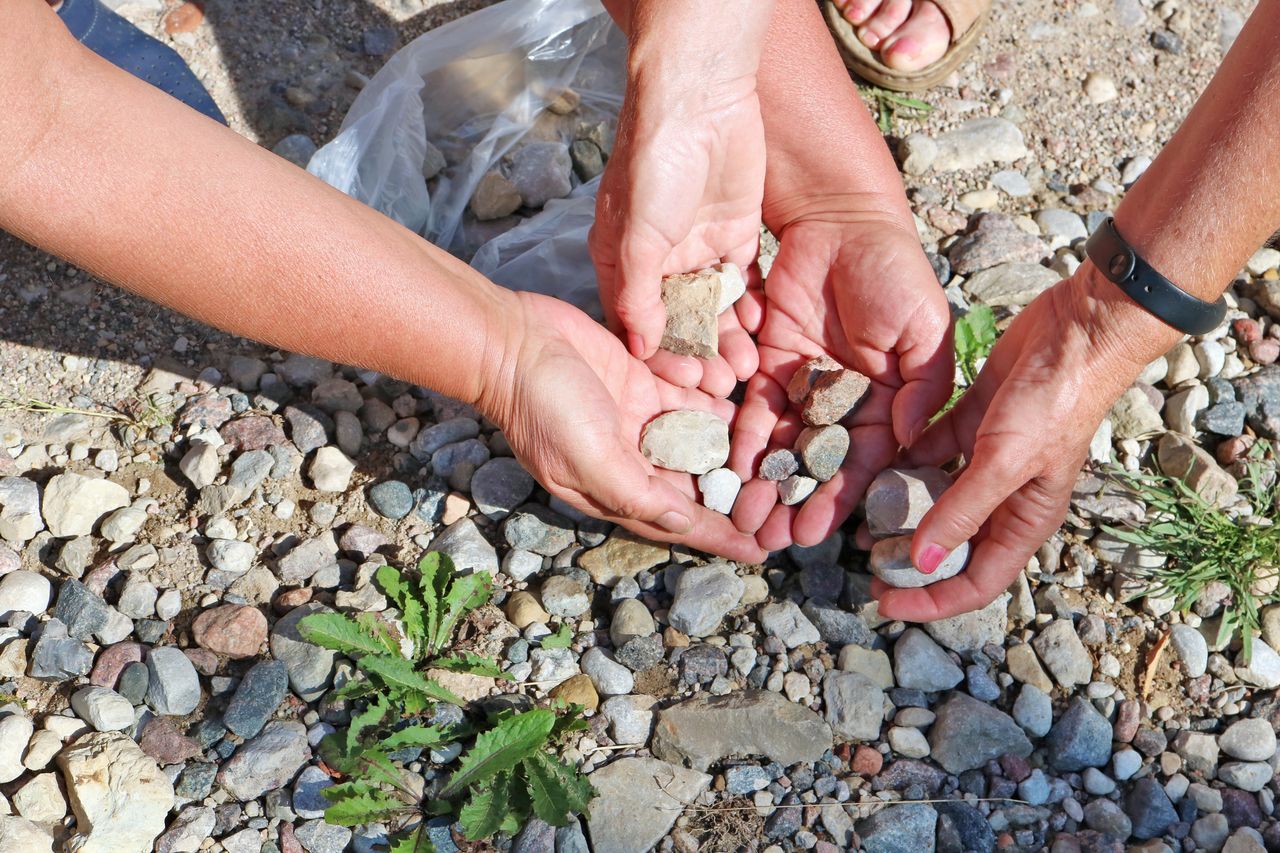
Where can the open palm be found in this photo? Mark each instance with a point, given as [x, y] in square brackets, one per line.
[864, 294]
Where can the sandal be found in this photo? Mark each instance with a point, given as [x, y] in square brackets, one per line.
[128, 48]
[967, 19]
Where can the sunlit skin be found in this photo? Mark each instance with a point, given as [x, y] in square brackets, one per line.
[130, 184]
[907, 34]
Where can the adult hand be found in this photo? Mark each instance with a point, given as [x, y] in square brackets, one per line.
[1024, 428]
[685, 179]
[572, 404]
[854, 285]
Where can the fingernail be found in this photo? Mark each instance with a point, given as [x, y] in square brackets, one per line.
[675, 522]
[636, 344]
[930, 557]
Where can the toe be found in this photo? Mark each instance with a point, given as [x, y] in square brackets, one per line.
[857, 12]
[891, 15]
[921, 40]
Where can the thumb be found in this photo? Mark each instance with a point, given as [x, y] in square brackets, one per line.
[637, 301]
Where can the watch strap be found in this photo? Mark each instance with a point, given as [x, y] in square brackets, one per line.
[1160, 297]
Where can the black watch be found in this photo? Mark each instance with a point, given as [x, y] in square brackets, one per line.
[1169, 303]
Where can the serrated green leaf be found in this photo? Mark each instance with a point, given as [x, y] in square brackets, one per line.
[380, 631]
[471, 663]
[339, 633]
[365, 808]
[464, 594]
[415, 840]
[373, 714]
[347, 790]
[556, 790]
[417, 736]
[356, 688]
[399, 676]
[501, 749]
[434, 570]
[486, 811]
[561, 639]
[375, 764]
[394, 584]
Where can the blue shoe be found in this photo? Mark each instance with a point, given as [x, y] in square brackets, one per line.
[128, 48]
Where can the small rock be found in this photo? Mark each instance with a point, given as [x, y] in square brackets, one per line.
[1081, 738]
[854, 705]
[703, 596]
[777, 465]
[921, 664]
[119, 794]
[540, 172]
[1099, 88]
[898, 499]
[1063, 654]
[174, 687]
[976, 143]
[105, 710]
[1191, 648]
[692, 303]
[719, 489]
[968, 733]
[495, 197]
[690, 441]
[786, 622]
[73, 504]
[330, 470]
[823, 450]
[705, 729]
[795, 489]
[891, 562]
[1249, 740]
[266, 762]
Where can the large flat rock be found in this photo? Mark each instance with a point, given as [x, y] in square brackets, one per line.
[639, 802]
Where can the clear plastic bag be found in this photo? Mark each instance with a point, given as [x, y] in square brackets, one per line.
[475, 88]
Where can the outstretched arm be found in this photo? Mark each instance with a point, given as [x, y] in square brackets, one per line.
[131, 185]
[1207, 202]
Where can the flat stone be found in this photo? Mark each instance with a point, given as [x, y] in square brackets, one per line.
[1033, 710]
[703, 596]
[854, 705]
[316, 836]
[308, 558]
[919, 663]
[499, 486]
[968, 733]
[1010, 284]
[690, 441]
[623, 555]
[969, 632]
[254, 432]
[1192, 650]
[630, 717]
[788, 623]
[872, 663]
[495, 196]
[978, 142]
[538, 529]
[634, 808]
[995, 240]
[310, 666]
[1262, 669]
[778, 465]
[266, 762]
[1181, 458]
[796, 489]
[906, 828]
[703, 730]
[1251, 739]
[898, 498]
[1251, 776]
[73, 504]
[57, 657]
[1062, 653]
[823, 450]
[836, 625]
[259, 693]
[162, 741]
[692, 303]
[891, 562]
[105, 710]
[20, 517]
[119, 795]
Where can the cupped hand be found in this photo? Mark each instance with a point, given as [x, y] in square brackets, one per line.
[856, 287]
[1024, 428]
[682, 191]
[572, 404]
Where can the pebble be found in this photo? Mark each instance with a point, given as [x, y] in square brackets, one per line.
[330, 470]
[266, 762]
[104, 709]
[1149, 808]
[72, 504]
[24, 591]
[234, 630]
[1081, 738]
[121, 796]
[565, 597]
[609, 677]
[1099, 88]
[1010, 284]
[690, 441]
[975, 143]
[174, 687]
[540, 172]
[495, 196]
[631, 620]
[898, 499]
[795, 489]
[1190, 647]
[692, 303]
[499, 486]
[630, 717]
[703, 596]
[1063, 654]
[391, 499]
[719, 489]
[921, 664]
[778, 465]
[1249, 740]
[470, 551]
[891, 562]
[788, 623]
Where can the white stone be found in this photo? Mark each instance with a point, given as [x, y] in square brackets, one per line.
[331, 470]
[119, 794]
[73, 504]
[104, 709]
[719, 490]
[692, 441]
[1181, 409]
[20, 518]
[15, 733]
[1264, 259]
[732, 284]
[891, 562]
[23, 590]
[1181, 365]
[1263, 669]
[40, 800]
[1211, 357]
[908, 742]
[1250, 739]
[19, 835]
[1100, 444]
[231, 555]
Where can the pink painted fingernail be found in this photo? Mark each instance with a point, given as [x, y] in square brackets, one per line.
[930, 557]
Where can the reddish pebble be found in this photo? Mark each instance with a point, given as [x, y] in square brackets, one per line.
[163, 742]
[289, 842]
[1014, 767]
[290, 599]
[184, 19]
[205, 661]
[1265, 351]
[255, 432]
[111, 662]
[1005, 841]
[1246, 330]
[234, 630]
[1127, 719]
[866, 761]
[1234, 449]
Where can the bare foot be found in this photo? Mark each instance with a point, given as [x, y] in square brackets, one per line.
[909, 34]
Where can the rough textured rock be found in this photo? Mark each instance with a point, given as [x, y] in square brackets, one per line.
[118, 793]
[692, 301]
[19, 835]
[704, 594]
[634, 810]
[691, 441]
[891, 562]
[266, 762]
[898, 498]
[1081, 738]
[854, 705]
[908, 828]
[702, 730]
[822, 450]
[968, 733]
[73, 504]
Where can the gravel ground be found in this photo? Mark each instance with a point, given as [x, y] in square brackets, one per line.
[734, 707]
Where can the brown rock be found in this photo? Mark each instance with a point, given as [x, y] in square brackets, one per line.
[802, 380]
[464, 685]
[495, 197]
[162, 741]
[1180, 457]
[255, 432]
[692, 301]
[524, 610]
[577, 690]
[184, 19]
[823, 450]
[289, 842]
[205, 661]
[834, 396]
[292, 598]
[995, 239]
[867, 761]
[111, 662]
[234, 630]
[623, 555]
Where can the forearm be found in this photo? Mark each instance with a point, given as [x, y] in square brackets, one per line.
[816, 124]
[131, 185]
[1209, 200]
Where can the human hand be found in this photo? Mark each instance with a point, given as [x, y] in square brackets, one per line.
[683, 186]
[1024, 428]
[855, 286]
[572, 403]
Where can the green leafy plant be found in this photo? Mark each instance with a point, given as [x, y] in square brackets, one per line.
[1202, 544]
[975, 335]
[889, 106]
[507, 775]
